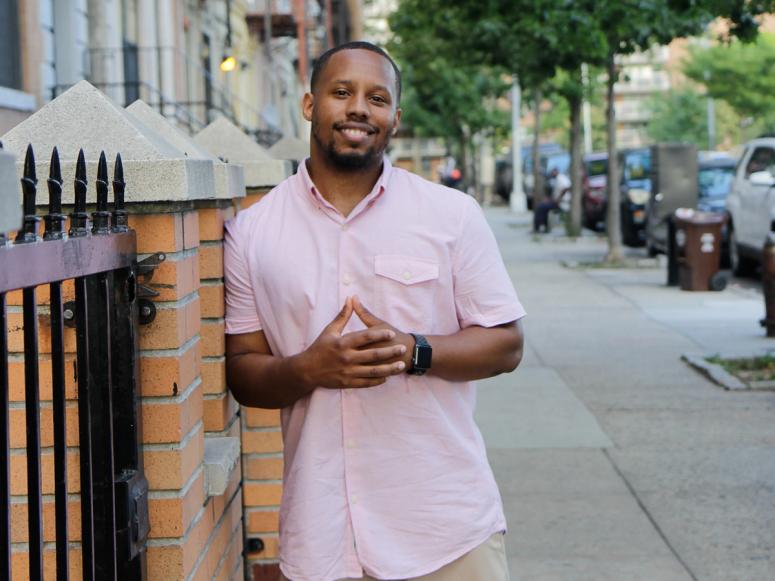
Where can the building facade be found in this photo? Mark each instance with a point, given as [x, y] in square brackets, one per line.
[173, 55]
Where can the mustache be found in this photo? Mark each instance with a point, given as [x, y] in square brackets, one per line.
[342, 124]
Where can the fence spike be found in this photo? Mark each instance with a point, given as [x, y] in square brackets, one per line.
[120, 219]
[54, 219]
[79, 219]
[29, 231]
[102, 183]
[29, 181]
[101, 217]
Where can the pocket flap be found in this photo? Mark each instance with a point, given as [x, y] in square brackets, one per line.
[406, 269]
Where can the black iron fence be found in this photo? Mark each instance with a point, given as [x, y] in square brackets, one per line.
[98, 253]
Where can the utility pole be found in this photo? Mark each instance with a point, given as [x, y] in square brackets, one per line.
[586, 115]
[517, 200]
[711, 113]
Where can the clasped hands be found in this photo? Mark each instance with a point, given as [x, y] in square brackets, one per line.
[365, 358]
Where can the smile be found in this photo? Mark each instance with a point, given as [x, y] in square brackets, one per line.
[355, 133]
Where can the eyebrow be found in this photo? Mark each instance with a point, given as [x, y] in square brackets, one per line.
[350, 84]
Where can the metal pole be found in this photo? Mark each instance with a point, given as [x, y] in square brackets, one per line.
[517, 200]
[586, 113]
[711, 124]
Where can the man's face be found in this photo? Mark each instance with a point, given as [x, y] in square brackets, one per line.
[354, 109]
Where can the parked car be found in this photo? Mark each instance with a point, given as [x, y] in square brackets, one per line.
[715, 183]
[635, 165]
[751, 205]
[503, 171]
[716, 175]
[594, 192]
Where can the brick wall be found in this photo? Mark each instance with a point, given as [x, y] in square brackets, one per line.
[185, 400]
[262, 470]
[193, 536]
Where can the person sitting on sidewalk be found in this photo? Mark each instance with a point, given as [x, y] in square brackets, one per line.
[558, 186]
[385, 471]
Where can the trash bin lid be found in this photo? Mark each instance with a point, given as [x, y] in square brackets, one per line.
[693, 216]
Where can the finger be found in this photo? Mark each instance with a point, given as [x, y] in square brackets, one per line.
[362, 383]
[365, 314]
[372, 371]
[379, 355]
[358, 339]
[341, 319]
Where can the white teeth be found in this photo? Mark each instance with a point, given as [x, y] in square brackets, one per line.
[354, 132]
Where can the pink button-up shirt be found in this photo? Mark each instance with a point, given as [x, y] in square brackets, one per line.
[391, 480]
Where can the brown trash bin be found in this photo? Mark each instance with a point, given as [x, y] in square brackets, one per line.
[698, 247]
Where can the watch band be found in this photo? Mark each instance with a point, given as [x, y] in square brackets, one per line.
[421, 356]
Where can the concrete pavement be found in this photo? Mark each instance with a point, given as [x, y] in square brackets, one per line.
[616, 461]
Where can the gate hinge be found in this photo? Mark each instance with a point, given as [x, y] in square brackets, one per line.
[145, 269]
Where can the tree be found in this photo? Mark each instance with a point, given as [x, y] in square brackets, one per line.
[535, 38]
[740, 74]
[682, 116]
[443, 96]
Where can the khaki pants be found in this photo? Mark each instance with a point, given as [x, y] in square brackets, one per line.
[487, 562]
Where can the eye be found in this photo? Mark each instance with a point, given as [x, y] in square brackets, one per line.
[379, 99]
[340, 92]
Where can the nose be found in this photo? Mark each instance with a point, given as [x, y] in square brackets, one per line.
[358, 106]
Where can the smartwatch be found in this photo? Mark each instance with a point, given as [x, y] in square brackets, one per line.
[421, 357]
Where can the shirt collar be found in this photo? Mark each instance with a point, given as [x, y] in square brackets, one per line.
[318, 200]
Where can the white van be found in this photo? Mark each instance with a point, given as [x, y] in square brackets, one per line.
[751, 205]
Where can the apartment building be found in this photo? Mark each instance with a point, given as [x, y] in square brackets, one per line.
[192, 60]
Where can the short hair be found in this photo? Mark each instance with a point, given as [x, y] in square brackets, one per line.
[323, 59]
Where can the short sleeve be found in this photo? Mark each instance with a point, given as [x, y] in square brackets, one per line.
[484, 293]
[241, 312]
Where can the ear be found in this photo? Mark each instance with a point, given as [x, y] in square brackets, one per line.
[307, 105]
[396, 122]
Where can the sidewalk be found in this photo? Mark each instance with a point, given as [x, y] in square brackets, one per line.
[616, 461]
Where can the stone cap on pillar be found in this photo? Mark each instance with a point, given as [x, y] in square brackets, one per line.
[84, 117]
[229, 177]
[227, 141]
[10, 208]
[291, 148]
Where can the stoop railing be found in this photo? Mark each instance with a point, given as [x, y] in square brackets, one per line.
[99, 256]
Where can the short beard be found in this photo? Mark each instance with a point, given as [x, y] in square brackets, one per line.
[350, 162]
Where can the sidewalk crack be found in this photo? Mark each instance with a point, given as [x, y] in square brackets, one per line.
[651, 519]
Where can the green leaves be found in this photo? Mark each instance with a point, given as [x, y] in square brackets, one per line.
[740, 74]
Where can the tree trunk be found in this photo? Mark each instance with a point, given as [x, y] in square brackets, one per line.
[473, 155]
[576, 178]
[613, 216]
[462, 161]
[538, 175]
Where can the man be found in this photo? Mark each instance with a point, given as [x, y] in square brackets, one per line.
[363, 300]
[557, 187]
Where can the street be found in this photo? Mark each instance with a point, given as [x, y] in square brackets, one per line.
[615, 459]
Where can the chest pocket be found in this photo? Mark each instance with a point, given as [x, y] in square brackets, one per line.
[405, 290]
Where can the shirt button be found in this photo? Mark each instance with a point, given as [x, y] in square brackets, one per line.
[346, 280]
[344, 226]
[407, 275]
[350, 443]
[354, 499]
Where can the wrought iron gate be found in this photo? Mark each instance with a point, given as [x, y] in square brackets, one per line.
[99, 254]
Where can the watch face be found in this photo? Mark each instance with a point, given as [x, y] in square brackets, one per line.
[422, 357]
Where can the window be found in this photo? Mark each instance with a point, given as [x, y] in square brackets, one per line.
[10, 69]
[762, 159]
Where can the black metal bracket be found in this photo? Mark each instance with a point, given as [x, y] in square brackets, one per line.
[145, 269]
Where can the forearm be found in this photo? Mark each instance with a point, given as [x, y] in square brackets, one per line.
[266, 381]
[476, 352]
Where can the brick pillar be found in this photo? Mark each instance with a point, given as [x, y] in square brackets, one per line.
[262, 472]
[192, 534]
